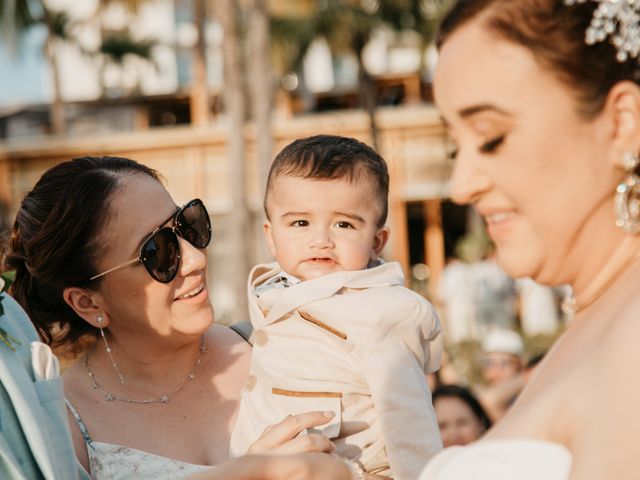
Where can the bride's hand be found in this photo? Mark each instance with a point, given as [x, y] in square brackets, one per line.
[282, 438]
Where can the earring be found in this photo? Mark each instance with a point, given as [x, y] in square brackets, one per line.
[99, 320]
[627, 200]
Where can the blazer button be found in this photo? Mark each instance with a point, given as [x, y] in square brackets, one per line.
[260, 338]
[250, 382]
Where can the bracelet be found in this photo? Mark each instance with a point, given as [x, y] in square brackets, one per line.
[356, 469]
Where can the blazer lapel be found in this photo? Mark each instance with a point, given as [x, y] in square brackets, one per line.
[19, 387]
[308, 291]
[305, 292]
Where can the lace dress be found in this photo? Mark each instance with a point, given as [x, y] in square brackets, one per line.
[116, 462]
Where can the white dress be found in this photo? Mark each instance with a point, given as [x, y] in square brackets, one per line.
[108, 461]
[501, 459]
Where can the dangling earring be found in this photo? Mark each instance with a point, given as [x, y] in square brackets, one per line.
[99, 320]
[627, 200]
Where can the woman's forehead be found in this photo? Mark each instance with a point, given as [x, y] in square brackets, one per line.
[137, 207]
[477, 67]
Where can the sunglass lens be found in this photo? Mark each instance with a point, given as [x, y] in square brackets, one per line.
[194, 225]
[161, 255]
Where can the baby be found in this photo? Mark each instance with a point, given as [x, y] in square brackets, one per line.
[334, 327]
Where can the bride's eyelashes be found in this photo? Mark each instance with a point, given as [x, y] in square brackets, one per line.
[492, 145]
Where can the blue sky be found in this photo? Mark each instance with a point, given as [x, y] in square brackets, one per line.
[24, 77]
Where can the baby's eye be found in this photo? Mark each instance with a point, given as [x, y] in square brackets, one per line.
[344, 225]
[299, 223]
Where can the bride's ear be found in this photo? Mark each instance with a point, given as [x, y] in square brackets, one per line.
[622, 107]
[86, 303]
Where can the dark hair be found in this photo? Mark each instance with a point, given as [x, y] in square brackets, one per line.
[54, 242]
[465, 395]
[331, 157]
[555, 34]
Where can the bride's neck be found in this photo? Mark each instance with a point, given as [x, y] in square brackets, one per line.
[590, 288]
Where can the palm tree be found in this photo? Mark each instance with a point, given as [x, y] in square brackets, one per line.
[240, 231]
[117, 48]
[19, 16]
[261, 92]
[347, 26]
[199, 98]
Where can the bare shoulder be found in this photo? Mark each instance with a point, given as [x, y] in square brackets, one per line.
[231, 352]
[223, 337]
[603, 447]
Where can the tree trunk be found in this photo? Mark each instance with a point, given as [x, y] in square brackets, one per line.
[262, 98]
[368, 95]
[199, 99]
[239, 225]
[57, 106]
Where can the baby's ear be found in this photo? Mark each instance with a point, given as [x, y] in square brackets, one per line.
[268, 234]
[381, 239]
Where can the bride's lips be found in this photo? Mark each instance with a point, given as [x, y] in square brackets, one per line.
[498, 221]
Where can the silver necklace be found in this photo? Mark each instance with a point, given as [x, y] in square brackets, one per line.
[166, 398]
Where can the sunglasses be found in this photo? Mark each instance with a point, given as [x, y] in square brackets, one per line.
[160, 252]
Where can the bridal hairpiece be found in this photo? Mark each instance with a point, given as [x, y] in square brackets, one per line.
[618, 20]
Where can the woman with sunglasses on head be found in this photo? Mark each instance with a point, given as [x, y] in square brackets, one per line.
[111, 270]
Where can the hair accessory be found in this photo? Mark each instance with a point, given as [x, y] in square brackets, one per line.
[100, 319]
[618, 20]
[166, 398]
[627, 200]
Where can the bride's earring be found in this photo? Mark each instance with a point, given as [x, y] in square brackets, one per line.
[627, 200]
[100, 320]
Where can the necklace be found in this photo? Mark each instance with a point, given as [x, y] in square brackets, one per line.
[166, 398]
[570, 306]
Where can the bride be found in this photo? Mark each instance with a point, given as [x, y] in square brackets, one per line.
[542, 103]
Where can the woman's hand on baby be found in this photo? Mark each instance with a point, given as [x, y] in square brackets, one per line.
[314, 466]
[284, 438]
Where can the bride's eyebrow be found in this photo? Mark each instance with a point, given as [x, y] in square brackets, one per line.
[485, 107]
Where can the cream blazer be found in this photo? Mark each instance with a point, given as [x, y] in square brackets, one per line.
[355, 343]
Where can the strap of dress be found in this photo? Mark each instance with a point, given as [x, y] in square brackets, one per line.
[244, 329]
[81, 425]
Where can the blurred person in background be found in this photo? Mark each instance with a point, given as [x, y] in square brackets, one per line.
[539, 312]
[461, 418]
[502, 365]
[495, 295]
[455, 297]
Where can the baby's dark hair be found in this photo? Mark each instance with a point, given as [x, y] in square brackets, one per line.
[331, 157]
[55, 242]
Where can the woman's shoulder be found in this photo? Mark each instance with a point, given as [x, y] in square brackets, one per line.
[225, 337]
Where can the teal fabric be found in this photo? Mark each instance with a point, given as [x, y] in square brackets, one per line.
[34, 435]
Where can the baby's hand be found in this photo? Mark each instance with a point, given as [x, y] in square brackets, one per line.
[284, 438]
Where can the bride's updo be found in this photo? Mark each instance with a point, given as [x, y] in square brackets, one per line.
[555, 34]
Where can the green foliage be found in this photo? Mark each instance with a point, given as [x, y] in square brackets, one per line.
[347, 25]
[117, 47]
[6, 279]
